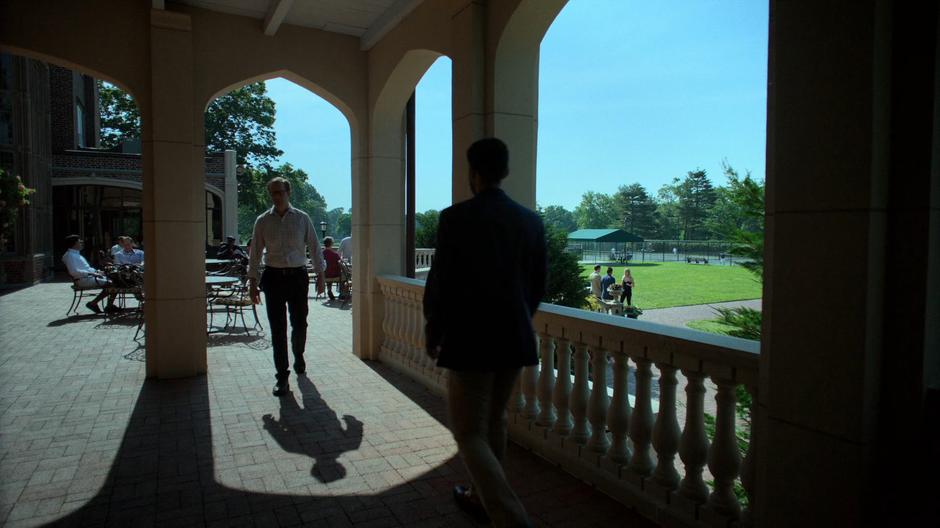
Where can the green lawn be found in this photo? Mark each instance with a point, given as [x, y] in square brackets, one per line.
[711, 326]
[666, 284]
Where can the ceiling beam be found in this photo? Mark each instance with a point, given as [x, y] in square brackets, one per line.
[387, 22]
[276, 14]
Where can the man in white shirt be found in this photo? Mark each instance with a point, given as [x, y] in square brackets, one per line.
[117, 247]
[281, 236]
[596, 282]
[345, 249]
[129, 254]
[84, 275]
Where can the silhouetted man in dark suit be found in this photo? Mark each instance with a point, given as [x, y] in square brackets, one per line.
[484, 286]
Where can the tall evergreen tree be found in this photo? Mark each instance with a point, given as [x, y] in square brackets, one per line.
[696, 197]
[636, 210]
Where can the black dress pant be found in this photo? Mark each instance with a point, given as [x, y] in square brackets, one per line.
[627, 294]
[285, 289]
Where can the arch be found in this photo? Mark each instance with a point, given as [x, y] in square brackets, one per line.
[29, 54]
[515, 91]
[386, 114]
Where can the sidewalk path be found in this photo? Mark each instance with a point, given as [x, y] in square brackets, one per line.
[680, 315]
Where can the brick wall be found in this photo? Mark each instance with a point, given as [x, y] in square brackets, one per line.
[61, 108]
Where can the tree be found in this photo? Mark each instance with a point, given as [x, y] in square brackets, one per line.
[253, 198]
[730, 213]
[243, 120]
[667, 212]
[340, 223]
[596, 211]
[636, 210]
[559, 217]
[426, 228]
[119, 115]
[696, 196]
[565, 285]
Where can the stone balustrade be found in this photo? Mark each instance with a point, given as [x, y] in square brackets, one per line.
[424, 257]
[647, 447]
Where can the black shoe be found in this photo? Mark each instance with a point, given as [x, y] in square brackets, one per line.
[111, 309]
[471, 507]
[281, 389]
[93, 307]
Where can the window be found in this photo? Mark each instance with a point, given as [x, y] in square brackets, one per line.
[213, 219]
[79, 124]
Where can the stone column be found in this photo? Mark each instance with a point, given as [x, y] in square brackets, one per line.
[467, 89]
[850, 109]
[174, 214]
[230, 208]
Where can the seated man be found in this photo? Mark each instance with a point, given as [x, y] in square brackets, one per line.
[229, 250]
[129, 254]
[345, 249]
[332, 271]
[117, 247]
[86, 276]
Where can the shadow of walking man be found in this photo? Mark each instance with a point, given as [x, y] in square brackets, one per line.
[314, 431]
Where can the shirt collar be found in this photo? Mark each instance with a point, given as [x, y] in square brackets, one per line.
[75, 251]
[290, 209]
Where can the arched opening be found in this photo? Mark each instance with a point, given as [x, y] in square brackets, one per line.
[56, 133]
[433, 143]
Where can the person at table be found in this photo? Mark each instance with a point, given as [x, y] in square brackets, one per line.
[485, 339]
[628, 283]
[86, 276]
[117, 247]
[607, 281]
[345, 249]
[596, 282]
[332, 259]
[129, 254]
[229, 250]
[280, 236]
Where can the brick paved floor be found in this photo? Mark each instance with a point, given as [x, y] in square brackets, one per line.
[86, 440]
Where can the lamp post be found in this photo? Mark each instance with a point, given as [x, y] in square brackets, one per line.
[323, 230]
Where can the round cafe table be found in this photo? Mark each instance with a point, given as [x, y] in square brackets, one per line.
[218, 262]
[220, 280]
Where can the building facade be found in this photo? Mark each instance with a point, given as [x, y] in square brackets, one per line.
[50, 137]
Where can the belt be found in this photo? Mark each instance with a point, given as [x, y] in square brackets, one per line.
[285, 271]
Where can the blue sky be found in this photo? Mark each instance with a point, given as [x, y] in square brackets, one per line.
[630, 91]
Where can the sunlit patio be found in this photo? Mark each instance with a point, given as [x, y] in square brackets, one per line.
[85, 439]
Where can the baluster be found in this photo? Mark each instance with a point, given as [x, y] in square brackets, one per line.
[516, 401]
[723, 457]
[414, 330]
[394, 324]
[406, 329]
[747, 466]
[599, 400]
[693, 445]
[421, 338]
[641, 423]
[618, 415]
[579, 394]
[562, 389]
[546, 380]
[666, 430]
[386, 320]
[529, 383]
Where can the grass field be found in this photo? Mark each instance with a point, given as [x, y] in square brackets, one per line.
[667, 284]
[711, 326]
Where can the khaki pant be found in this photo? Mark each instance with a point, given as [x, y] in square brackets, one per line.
[476, 403]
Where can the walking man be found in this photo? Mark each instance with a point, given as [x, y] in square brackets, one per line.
[486, 338]
[281, 235]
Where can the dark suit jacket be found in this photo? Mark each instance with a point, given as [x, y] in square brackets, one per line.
[485, 284]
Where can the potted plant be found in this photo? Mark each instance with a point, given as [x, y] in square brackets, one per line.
[632, 312]
[13, 196]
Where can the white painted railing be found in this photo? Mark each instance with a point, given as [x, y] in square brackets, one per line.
[609, 438]
[424, 257]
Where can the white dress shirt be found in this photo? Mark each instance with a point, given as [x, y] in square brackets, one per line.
[134, 256]
[77, 265]
[345, 249]
[115, 249]
[280, 241]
